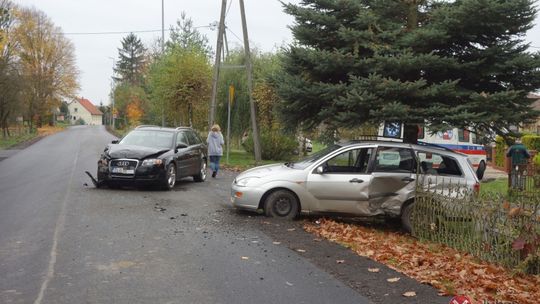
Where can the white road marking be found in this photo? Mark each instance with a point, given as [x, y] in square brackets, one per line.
[57, 230]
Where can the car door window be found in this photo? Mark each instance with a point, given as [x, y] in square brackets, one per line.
[352, 161]
[193, 139]
[394, 159]
[182, 139]
[438, 164]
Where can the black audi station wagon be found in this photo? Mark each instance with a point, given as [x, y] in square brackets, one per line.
[152, 155]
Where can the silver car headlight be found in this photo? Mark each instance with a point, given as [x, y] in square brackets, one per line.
[244, 182]
[152, 162]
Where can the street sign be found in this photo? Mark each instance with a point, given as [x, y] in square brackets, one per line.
[231, 94]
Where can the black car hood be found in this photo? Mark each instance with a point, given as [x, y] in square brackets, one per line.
[134, 152]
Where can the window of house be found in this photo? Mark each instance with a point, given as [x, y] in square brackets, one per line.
[76, 110]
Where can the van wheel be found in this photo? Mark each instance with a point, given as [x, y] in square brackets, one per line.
[281, 204]
[406, 214]
[481, 169]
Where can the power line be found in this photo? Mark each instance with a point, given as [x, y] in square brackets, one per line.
[123, 32]
[228, 8]
[228, 29]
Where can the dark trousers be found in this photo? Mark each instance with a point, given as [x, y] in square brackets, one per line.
[214, 162]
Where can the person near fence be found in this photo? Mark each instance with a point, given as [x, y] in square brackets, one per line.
[215, 148]
[519, 157]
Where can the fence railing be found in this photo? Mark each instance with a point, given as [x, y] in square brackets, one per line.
[495, 228]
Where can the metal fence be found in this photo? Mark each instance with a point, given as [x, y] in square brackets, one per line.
[500, 229]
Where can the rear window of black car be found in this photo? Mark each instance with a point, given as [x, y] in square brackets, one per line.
[148, 138]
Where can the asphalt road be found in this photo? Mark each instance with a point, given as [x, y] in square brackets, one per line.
[64, 241]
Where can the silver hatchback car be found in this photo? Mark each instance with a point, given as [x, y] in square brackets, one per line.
[364, 178]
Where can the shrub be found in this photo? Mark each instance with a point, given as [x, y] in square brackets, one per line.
[500, 151]
[532, 142]
[536, 160]
[274, 145]
[80, 121]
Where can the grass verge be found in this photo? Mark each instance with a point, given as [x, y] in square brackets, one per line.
[19, 139]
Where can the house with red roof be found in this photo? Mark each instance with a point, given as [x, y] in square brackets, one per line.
[82, 109]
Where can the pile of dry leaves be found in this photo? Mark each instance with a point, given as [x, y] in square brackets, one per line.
[448, 270]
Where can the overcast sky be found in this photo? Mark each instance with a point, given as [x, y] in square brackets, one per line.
[267, 26]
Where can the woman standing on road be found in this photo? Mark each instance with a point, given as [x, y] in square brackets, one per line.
[215, 150]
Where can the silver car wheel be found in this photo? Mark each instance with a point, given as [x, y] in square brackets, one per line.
[201, 175]
[203, 170]
[171, 176]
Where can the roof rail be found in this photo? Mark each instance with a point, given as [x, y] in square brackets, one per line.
[146, 126]
[389, 139]
[181, 128]
[421, 143]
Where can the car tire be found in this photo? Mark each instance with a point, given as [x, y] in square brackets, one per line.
[201, 176]
[170, 177]
[406, 214]
[281, 204]
[481, 169]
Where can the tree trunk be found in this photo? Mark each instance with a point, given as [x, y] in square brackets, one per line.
[410, 133]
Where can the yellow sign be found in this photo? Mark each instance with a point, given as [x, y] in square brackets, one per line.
[231, 94]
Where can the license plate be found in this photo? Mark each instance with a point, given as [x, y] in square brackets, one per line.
[121, 170]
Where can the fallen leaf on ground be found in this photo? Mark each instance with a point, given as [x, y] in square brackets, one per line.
[409, 294]
[290, 284]
[276, 243]
[300, 250]
[245, 258]
[393, 280]
[373, 269]
[291, 229]
[340, 261]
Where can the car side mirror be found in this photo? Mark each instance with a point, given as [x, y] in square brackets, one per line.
[115, 141]
[320, 170]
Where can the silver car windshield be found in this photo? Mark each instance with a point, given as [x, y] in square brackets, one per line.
[150, 139]
[306, 162]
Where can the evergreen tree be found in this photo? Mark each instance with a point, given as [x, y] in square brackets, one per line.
[185, 35]
[459, 64]
[131, 62]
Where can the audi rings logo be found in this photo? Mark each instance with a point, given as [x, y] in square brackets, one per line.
[122, 163]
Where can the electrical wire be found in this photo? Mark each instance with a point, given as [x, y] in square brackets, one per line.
[228, 29]
[123, 32]
[228, 8]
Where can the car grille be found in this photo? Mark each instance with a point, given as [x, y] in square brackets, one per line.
[123, 167]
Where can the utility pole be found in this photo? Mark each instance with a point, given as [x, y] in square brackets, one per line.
[112, 93]
[217, 64]
[253, 112]
[162, 53]
[226, 43]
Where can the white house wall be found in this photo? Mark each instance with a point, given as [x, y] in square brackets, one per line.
[77, 111]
